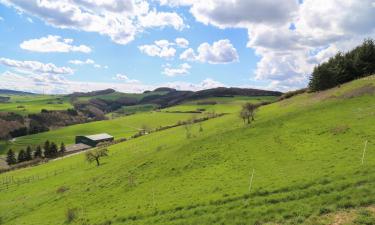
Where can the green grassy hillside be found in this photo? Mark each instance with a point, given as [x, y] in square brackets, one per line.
[122, 127]
[27, 104]
[306, 154]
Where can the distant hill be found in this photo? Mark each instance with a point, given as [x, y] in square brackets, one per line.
[228, 92]
[12, 92]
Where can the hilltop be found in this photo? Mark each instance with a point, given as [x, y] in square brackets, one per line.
[300, 162]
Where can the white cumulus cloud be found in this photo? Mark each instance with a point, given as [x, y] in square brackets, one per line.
[120, 20]
[35, 67]
[182, 69]
[53, 43]
[220, 52]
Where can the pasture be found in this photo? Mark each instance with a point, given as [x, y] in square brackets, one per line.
[300, 162]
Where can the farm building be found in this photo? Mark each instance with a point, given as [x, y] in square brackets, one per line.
[94, 140]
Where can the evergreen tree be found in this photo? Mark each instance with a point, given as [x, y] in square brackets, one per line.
[62, 148]
[21, 156]
[28, 154]
[47, 149]
[38, 152]
[342, 68]
[53, 150]
[11, 157]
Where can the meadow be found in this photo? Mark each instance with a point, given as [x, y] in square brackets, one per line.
[122, 127]
[300, 162]
[28, 104]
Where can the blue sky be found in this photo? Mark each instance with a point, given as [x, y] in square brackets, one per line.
[254, 43]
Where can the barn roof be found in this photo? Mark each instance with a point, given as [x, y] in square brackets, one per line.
[98, 137]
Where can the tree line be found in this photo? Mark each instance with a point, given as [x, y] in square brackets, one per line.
[49, 150]
[344, 67]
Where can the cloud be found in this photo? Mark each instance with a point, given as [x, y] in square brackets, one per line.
[125, 78]
[35, 67]
[182, 69]
[205, 84]
[287, 56]
[120, 20]
[161, 19]
[182, 42]
[1, 19]
[79, 62]
[53, 43]
[220, 52]
[87, 62]
[160, 49]
[55, 84]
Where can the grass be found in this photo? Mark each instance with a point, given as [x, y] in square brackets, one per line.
[27, 104]
[128, 110]
[122, 127]
[224, 104]
[304, 171]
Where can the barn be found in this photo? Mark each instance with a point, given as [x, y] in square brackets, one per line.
[94, 140]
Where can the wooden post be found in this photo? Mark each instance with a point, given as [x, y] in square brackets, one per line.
[251, 180]
[364, 152]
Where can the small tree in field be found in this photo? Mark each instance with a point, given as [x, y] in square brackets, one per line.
[11, 157]
[95, 155]
[38, 152]
[21, 156]
[28, 154]
[248, 112]
[62, 148]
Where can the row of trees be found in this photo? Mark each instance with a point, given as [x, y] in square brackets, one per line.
[49, 150]
[342, 68]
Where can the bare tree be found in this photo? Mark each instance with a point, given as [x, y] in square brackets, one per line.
[95, 155]
[248, 112]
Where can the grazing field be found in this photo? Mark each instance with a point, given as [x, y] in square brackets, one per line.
[122, 127]
[219, 104]
[27, 104]
[300, 162]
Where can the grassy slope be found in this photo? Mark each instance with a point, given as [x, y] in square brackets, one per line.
[34, 103]
[306, 152]
[225, 104]
[119, 128]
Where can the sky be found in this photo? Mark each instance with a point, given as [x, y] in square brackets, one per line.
[58, 47]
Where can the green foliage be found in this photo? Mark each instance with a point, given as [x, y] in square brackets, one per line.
[62, 148]
[342, 68]
[96, 154]
[28, 154]
[38, 152]
[11, 157]
[21, 156]
[365, 217]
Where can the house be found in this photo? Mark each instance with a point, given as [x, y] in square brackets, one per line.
[94, 140]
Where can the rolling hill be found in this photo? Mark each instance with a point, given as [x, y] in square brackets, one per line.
[301, 162]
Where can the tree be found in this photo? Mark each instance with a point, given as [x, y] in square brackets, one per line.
[53, 150]
[47, 151]
[21, 156]
[248, 112]
[342, 68]
[28, 154]
[95, 155]
[38, 152]
[62, 148]
[11, 157]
